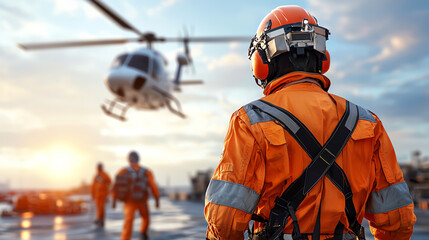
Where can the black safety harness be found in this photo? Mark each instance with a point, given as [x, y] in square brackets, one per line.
[323, 163]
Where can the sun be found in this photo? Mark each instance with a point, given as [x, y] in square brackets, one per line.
[59, 162]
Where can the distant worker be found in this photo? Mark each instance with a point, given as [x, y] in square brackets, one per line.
[100, 191]
[300, 160]
[131, 187]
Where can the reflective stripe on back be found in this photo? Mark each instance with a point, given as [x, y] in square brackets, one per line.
[256, 116]
[388, 199]
[232, 195]
[277, 114]
[142, 182]
[351, 120]
[132, 172]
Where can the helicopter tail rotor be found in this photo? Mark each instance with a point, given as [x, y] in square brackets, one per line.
[186, 39]
[188, 54]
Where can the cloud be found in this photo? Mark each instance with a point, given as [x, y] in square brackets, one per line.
[230, 60]
[233, 45]
[12, 120]
[19, 28]
[392, 30]
[72, 8]
[408, 102]
[160, 7]
[131, 10]
[10, 92]
[393, 46]
[403, 103]
[12, 11]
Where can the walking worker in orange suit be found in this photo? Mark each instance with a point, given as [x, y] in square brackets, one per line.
[300, 160]
[131, 187]
[100, 190]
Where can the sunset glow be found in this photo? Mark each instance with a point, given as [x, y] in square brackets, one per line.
[58, 162]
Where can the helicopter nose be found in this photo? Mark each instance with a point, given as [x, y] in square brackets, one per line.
[114, 82]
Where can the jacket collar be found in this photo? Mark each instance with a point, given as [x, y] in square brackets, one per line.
[280, 82]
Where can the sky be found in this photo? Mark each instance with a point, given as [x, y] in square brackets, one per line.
[53, 132]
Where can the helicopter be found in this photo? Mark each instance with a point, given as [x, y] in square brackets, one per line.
[139, 78]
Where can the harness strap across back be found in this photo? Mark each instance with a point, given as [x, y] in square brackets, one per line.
[323, 163]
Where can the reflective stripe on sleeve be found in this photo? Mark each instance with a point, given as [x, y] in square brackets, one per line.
[364, 114]
[388, 199]
[232, 195]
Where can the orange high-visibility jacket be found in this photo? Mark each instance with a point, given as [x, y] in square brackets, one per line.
[100, 185]
[261, 159]
[150, 181]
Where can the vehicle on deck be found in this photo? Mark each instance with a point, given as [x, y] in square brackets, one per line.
[44, 204]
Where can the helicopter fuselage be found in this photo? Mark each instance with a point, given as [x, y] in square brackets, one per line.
[139, 79]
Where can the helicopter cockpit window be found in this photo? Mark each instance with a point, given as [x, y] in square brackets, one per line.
[156, 70]
[119, 60]
[140, 62]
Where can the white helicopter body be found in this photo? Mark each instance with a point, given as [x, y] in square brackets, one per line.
[139, 79]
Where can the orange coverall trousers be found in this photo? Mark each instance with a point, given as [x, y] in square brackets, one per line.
[129, 210]
[100, 202]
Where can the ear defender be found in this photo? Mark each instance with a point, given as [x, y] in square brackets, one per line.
[326, 63]
[260, 69]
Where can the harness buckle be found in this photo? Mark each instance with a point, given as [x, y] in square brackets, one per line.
[282, 203]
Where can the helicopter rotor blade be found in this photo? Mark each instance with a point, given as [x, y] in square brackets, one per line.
[35, 46]
[115, 16]
[209, 39]
[148, 37]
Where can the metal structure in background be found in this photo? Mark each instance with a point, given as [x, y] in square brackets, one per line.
[416, 174]
[200, 181]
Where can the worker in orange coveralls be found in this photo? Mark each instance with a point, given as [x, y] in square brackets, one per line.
[100, 191]
[300, 160]
[139, 179]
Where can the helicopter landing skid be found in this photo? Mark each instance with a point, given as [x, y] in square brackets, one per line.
[177, 112]
[178, 109]
[115, 105]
